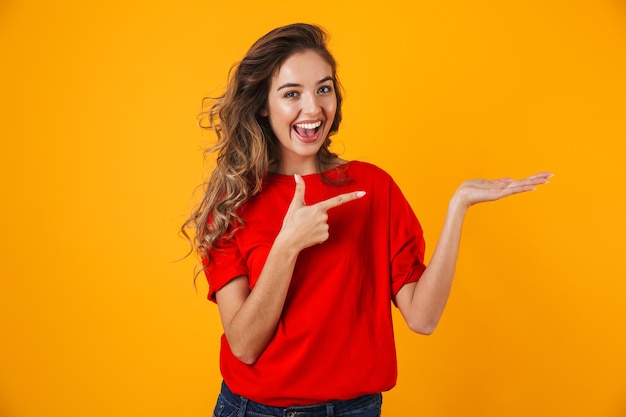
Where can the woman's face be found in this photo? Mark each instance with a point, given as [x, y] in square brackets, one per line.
[301, 108]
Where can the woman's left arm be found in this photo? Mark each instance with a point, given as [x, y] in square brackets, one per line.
[422, 303]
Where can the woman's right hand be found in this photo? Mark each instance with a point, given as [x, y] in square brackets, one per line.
[305, 226]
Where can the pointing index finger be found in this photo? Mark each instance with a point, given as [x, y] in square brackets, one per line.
[340, 199]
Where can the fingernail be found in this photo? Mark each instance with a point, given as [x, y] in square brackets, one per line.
[360, 194]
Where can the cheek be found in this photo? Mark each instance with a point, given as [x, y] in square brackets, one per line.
[331, 109]
[282, 113]
[330, 103]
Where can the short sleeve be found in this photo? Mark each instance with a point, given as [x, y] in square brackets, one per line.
[225, 263]
[407, 245]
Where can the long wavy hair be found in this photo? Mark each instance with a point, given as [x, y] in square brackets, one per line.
[246, 146]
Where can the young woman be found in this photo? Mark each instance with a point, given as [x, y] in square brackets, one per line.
[305, 252]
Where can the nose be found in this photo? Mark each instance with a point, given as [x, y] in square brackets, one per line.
[311, 105]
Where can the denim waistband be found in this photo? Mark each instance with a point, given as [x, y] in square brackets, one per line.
[328, 409]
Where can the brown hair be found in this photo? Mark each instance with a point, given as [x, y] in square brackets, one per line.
[246, 145]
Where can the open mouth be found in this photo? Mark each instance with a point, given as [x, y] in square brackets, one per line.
[308, 131]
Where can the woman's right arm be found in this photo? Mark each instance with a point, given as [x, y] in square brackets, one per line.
[249, 317]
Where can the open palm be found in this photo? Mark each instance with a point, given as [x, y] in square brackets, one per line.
[478, 191]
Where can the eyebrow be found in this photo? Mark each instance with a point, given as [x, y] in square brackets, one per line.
[290, 85]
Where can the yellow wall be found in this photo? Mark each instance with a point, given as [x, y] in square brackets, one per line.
[100, 154]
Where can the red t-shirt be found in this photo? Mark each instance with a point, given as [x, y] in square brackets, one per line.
[334, 340]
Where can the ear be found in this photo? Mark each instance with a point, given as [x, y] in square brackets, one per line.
[264, 112]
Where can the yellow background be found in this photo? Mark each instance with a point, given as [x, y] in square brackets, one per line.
[100, 155]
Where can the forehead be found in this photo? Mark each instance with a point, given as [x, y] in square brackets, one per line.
[303, 66]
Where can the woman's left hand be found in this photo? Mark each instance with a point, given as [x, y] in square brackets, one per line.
[478, 191]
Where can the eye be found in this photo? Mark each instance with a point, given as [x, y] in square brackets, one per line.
[291, 94]
[325, 89]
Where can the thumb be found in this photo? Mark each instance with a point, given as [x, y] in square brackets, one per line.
[298, 195]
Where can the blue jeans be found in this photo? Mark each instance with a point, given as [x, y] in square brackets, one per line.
[232, 405]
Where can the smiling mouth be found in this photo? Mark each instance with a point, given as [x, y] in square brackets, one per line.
[307, 130]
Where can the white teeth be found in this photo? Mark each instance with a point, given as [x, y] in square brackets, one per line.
[309, 125]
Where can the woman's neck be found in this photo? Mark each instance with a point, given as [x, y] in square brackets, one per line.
[304, 167]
